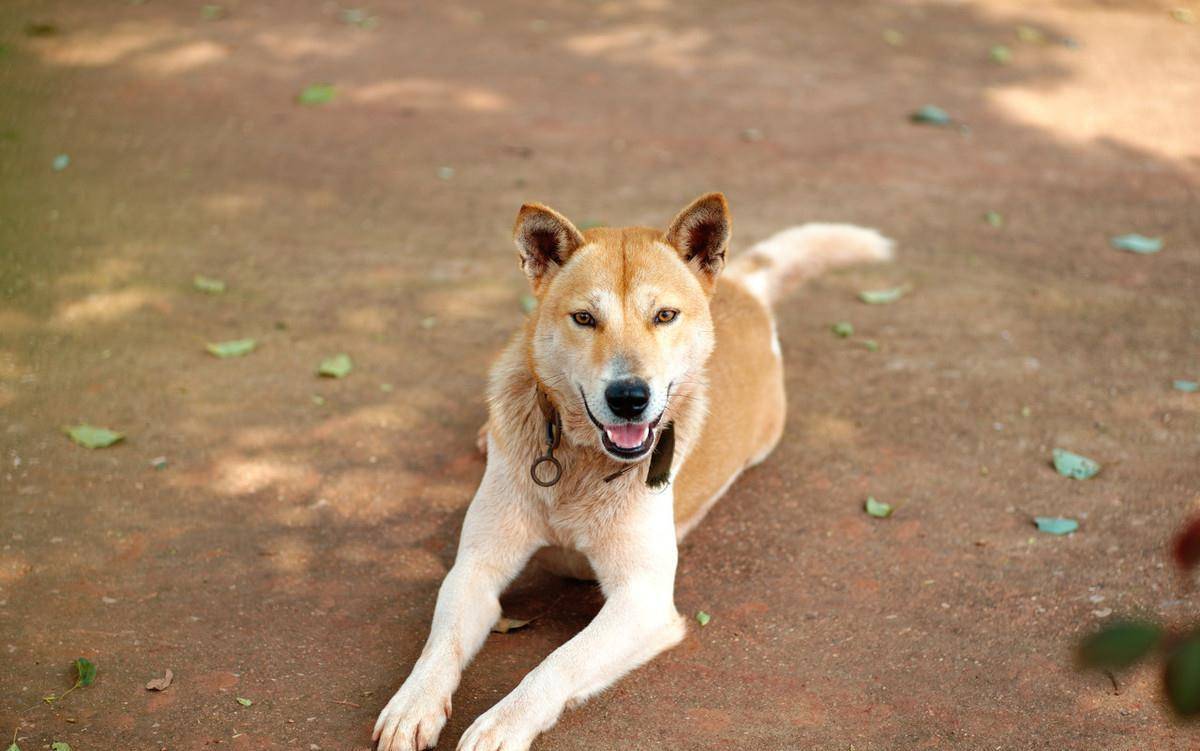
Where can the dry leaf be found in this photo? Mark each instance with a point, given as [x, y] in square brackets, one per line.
[504, 625]
[160, 684]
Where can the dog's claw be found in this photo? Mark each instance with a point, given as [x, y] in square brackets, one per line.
[411, 721]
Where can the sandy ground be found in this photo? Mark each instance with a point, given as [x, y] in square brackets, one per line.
[289, 551]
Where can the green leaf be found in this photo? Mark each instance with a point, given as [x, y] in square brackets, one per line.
[232, 348]
[1000, 54]
[1183, 677]
[931, 115]
[528, 303]
[1074, 465]
[208, 284]
[318, 93]
[994, 218]
[893, 37]
[86, 670]
[61, 162]
[244, 702]
[1056, 525]
[1183, 15]
[14, 747]
[1188, 387]
[843, 329]
[212, 12]
[702, 618]
[1118, 645]
[338, 366]
[59, 746]
[1137, 243]
[871, 345]
[877, 509]
[1030, 35]
[504, 625]
[882, 296]
[92, 437]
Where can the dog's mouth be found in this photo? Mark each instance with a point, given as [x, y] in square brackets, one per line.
[626, 441]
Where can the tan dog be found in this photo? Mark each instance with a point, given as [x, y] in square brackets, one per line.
[639, 389]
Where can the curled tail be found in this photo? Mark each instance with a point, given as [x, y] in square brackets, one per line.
[777, 265]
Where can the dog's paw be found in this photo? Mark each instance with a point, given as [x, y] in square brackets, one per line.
[501, 728]
[412, 720]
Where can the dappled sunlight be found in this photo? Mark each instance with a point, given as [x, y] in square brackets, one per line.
[95, 47]
[370, 494]
[106, 272]
[183, 58]
[231, 205]
[106, 307]
[641, 43]
[428, 93]
[17, 322]
[297, 44]
[374, 319]
[400, 560]
[828, 430]
[1102, 99]
[238, 476]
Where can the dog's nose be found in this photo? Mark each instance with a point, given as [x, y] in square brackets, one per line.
[628, 398]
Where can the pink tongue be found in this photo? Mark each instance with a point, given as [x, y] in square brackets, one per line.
[627, 436]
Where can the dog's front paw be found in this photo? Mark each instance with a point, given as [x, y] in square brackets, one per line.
[502, 728]
[412, 720]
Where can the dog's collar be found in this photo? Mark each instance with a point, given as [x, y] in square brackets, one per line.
[661, 457]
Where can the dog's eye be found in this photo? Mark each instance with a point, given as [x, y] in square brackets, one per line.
[583, 318]
[666, 315]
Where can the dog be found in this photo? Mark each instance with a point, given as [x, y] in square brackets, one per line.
[643, 383]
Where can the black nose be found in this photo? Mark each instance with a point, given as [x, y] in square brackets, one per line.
[628, 398]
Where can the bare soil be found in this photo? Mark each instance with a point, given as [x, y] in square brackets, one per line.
[289, 551]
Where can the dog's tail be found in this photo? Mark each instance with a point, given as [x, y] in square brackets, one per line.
[779, 264]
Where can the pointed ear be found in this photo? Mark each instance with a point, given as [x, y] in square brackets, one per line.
[701, 234]
[545, 239]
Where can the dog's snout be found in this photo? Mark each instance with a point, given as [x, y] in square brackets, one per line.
[628, 397]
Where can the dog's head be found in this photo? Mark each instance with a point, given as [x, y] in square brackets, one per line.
[622, 325]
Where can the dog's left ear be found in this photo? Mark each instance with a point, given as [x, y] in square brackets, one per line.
[701, 235]
[545, 239]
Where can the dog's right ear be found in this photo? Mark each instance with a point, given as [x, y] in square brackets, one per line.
[545, 239]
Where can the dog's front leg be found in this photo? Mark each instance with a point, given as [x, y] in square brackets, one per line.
[635, 563]
[496, 543]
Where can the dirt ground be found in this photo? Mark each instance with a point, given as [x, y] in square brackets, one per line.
[289, 551]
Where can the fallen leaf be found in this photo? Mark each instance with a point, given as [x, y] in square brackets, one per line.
[1056, 525]
[160, 684]
[843, 329]
[1183, 15]
[445, 173]
[994, 218]
[212, 12]
[882, 296]
[232, 348]
[92, 437]
[208, 284]
[61, 162]
[14, 747]
[338, 366]
[1000, 54]
[1137, 243]
[86, 671]
[1118, 645]
[528, 303]
[877, 509]
[244, 702]
[318, 93]
[1183, 677]
[59, 746]
[159, 462]
[1188, 387]
[504, 625]
[893, 37]
[931, 115]
[752, 135]
[702, 618]
[358, 17]
[428, 322]
[1073, 465]
[871, 345]
[1186, 548]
